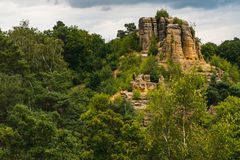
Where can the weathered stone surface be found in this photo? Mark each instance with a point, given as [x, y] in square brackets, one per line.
[175, 41]
[162, 27]
[148, 29]
[142, 83]
[189, 46]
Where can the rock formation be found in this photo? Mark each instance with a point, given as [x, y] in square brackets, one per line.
[143, 84]
[176, 41]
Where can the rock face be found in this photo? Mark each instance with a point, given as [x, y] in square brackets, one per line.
[175, 41]
[143, 84]
[147, 30]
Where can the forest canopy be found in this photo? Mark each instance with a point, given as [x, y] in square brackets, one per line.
[57, 98]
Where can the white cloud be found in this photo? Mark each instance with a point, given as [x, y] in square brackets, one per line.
[213, 25]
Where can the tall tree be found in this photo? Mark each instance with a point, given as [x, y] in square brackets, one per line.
[43, 53]
[12, 59]
[225, 130]
[175, 118]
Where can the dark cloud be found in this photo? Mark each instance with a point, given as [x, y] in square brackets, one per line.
[106, 8]
[206, 4]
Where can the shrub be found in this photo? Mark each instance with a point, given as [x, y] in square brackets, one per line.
[208, 50]
[192, 31]
[161, 13]
[150, 66]
[177, 21]
[153, 49]
[231, 70]
[136, 94]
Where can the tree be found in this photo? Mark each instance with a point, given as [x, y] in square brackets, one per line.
[39, 137]
[208, 50]
[153, 49]
[12, 59]
[231, 71]
[224, 142]
[121, 34]
[10, 143]
[219, 91]
[107, 135]
[229, 50]
[11, 93]
[43, 53]
[175, 117]
[131, 28]
[85, 53]
[161, 13]
[36, 130]
[151, 67]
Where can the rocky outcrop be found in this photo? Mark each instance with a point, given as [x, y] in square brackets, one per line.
[147, 32]
[143, 84]
[176, 40]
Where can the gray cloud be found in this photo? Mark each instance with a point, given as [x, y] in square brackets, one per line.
[206, 4]
[106, 8]
[216, 24]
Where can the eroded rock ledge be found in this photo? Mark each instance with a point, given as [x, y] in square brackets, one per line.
[176, 41]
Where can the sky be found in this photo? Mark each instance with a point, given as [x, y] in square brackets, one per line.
[216, 20]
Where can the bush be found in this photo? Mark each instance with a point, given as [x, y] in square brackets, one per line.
[136, 94]
[173, 71]
[150, 66]
[230, 69]
[192, 31]
[230, 50]
[153, 49]
[208, 50]
[177, 21]
[161, 13]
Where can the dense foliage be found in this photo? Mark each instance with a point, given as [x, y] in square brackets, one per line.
[57, 99]
[223, 56]
[161, 13]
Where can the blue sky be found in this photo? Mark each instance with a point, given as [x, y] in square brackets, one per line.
[216, 20]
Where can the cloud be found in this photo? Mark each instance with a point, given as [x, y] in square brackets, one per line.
[216, 24]
[29, 3]
[206, 4]
[106, 8]
[176, 4]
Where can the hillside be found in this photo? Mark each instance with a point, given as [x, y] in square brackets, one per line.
[154, 92]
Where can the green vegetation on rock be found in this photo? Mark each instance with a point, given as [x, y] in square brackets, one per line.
[161, 13]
